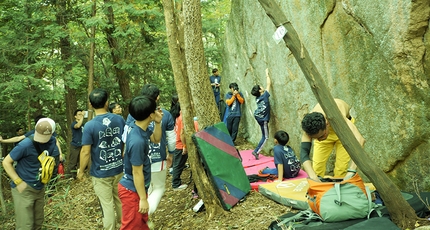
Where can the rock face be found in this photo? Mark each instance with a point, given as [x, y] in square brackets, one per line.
[375, 55]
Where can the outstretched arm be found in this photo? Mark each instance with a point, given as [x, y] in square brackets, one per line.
[12, 140]
[269, 82]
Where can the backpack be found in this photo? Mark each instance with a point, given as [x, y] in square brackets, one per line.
[222, 106]
[340, 200]
[47, 164]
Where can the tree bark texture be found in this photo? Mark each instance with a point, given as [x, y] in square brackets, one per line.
[70, 96]
[121, 76]
[195, 85]
[400, 211]
[91, 60]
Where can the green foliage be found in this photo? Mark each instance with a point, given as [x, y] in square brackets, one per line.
[34, 70]
[214, 18]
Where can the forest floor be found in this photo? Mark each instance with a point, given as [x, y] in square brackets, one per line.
[73, 205]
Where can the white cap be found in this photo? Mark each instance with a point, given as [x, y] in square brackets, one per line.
[45, 127]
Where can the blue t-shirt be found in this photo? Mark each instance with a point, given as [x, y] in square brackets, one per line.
[27, 167]
[234, 108]
[285, 155]
[76, 135]
[136, 153]
[157, 152]
[262, 113]
[216, 79]
[103, 133]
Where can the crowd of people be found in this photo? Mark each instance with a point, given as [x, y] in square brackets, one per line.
[128, 160]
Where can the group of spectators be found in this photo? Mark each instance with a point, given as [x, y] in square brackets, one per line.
[127, 160]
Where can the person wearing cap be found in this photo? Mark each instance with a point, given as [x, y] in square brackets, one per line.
[27, 191]
[101, 140]
[21, 137]
[316, 127]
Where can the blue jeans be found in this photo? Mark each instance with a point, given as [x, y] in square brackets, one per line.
[264, 126]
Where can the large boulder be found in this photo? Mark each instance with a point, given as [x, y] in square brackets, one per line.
[373, 54]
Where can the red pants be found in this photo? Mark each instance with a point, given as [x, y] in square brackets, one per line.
[131, 218]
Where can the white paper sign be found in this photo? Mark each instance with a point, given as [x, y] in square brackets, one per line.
[279, 34]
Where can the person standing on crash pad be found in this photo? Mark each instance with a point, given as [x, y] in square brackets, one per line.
[262, 113]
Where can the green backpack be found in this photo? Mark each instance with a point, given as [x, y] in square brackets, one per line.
[340, 200]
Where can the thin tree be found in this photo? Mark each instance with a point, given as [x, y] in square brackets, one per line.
[91, 59]
[121, 74]
[400, 211]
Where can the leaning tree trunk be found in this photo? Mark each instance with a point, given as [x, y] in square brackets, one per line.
[179, 57]
[400, 211]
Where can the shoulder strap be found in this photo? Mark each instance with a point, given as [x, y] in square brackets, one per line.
[36, 145]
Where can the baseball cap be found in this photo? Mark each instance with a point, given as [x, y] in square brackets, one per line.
[45, 127]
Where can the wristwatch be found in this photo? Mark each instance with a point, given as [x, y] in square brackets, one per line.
[17, 181]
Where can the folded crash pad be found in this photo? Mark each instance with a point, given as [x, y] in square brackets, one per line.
[291, 192]
[222, 163]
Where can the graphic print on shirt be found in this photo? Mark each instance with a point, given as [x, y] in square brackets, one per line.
[261, 107]
[154, 153]
[109, 152]
[293, 162]
[233, 106]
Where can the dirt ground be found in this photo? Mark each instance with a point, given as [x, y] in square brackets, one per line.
[73, 205]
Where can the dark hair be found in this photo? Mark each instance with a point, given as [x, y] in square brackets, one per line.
[38, 117]
[312, 123]
[282, 137]
[175, 107]
[141, 107]
[98, 98]
[233, 85]
[150, 90]
[112, 106]
[76, 111]
[214, 70]
[19, 129]
[256, 91]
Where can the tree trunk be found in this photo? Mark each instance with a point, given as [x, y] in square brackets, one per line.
[178, 54]
[121, 76]
[400, 211]
[91, 60]
[70, 95]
